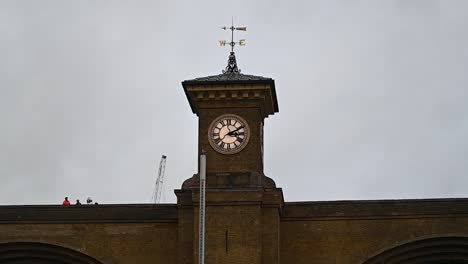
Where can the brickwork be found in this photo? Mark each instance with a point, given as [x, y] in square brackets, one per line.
[354, 231]
[249, 159]
[243, 226]
[109, 243]
[109, 233]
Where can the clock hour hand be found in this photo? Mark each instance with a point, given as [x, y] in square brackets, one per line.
[234, 132]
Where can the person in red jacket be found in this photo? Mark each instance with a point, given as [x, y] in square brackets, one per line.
[66, 202]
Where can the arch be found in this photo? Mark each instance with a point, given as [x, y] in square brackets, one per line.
[40, 253]
[439, 250]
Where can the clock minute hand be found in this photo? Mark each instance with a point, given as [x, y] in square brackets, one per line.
[231, 133]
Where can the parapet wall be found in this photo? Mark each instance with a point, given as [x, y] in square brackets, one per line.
[354, 231]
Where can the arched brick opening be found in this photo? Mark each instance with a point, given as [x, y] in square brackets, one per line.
[440, 250]
[40, 253]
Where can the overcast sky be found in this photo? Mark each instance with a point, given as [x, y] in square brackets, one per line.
[372, 95]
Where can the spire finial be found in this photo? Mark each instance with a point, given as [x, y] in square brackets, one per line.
[232, 64]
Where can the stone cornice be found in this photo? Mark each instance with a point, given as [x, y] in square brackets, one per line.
[260, 95]
[264, 197]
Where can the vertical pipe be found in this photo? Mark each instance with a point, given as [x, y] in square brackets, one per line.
[201, 227]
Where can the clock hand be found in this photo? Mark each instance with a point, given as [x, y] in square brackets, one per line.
[231, 133]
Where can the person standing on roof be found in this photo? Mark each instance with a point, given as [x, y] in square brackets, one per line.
[66, 202]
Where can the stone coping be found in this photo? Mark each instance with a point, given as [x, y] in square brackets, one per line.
[375, 209]
[102, 213]
[292, 211]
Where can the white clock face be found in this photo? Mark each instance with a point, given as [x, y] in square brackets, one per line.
[228, 134]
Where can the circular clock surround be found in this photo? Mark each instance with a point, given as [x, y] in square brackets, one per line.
[228, 134]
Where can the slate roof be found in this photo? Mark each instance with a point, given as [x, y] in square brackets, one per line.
[229, 78]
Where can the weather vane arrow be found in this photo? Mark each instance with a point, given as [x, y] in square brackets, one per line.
[232, 64]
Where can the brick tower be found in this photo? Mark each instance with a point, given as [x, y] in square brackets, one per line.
[242, 204]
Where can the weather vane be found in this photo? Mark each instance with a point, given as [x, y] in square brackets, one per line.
[232, 64]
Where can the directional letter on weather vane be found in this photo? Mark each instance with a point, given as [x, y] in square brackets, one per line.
[231, 68]
[241, 42]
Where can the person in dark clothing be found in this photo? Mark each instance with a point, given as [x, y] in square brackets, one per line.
[66, 202]
[78, 202]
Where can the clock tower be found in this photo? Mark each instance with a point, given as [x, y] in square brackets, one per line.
[242, 204]
[231, 108]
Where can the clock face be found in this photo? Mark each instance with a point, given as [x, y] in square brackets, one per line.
[228, 134]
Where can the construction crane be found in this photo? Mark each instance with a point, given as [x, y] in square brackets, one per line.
[159, 181]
